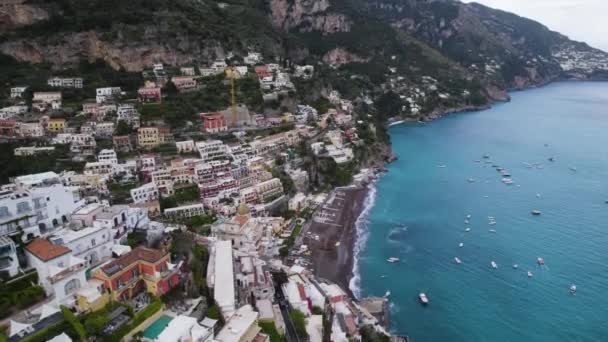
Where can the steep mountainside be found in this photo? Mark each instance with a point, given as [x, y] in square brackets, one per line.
[505, 47]
[366, 47]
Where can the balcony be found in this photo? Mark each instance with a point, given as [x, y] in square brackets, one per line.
[66, 273]
[161, 275]
[129, 283]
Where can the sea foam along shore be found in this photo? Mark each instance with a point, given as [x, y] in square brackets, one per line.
[362, 233]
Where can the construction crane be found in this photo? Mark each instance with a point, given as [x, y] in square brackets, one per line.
[231, 73]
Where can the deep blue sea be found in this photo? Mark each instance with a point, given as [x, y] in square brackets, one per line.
[419, 211]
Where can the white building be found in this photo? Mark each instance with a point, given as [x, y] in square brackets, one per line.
[220, 277]
[163, 181]
[30, 129]
[65, 82]
[298, 202]
[145, 193]
[340, 155]
[30, 151]
[241, 327]
[104, 129]
[185, 146]
[36, 210]
[38, 179]
[17, 92]
[186, 211]
[252, 58]
[107, 155]
[11, 111]
[99, 168]
[269, 190]
[129, 114]
[185, 328]
[106, 94]
[59, 272]
[47, 96]
[121, 220]
[92, 244]
[212, 150]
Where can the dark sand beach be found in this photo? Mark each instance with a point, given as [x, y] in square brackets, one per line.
[334, 224]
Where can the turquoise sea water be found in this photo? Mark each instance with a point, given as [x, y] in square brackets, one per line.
[419, 211]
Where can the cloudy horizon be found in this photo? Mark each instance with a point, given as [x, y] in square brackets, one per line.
[580, 20]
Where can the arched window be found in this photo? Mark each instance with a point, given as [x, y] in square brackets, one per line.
[72, 286]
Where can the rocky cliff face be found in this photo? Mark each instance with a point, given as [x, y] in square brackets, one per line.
[73, 48]
[19, 15]
[307, 16]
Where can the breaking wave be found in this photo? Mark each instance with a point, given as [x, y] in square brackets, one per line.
[361, 238]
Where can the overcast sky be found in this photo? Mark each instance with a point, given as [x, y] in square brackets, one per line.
[582, 20]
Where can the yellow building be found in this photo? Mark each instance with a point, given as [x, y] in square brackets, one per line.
[56, 125]
[92, 297]
[150, 137]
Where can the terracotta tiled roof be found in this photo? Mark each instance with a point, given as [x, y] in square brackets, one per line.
[45, 250]
[138, 254]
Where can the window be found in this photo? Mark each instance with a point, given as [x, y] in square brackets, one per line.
[135, 273]
[23, 207]
[93, 243]
[71, 286]
[4, 212]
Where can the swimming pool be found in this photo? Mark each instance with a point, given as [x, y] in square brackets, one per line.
[157, 327]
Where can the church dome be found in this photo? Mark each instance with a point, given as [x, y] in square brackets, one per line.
[243, 209]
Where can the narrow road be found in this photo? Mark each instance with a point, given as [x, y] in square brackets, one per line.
[290, 330]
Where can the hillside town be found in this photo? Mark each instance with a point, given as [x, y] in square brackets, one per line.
[156, 233]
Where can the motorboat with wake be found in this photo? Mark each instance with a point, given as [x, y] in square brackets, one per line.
[423, 298]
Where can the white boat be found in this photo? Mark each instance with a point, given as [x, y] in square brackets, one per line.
[537, 195]
[491, 223]
[573, 169]
[507, 181]
[466, 221]
[530, 274]
[442, 166]
[573, 289]
[492, 230]
[388, 293]
[515, 266]
[467, 230]
[536, 212]
[457, 260]
[471, 180]
[461, 245]
[423, 299]
[392, 260]
[540, 261]
[494, 265]
[468, 216]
